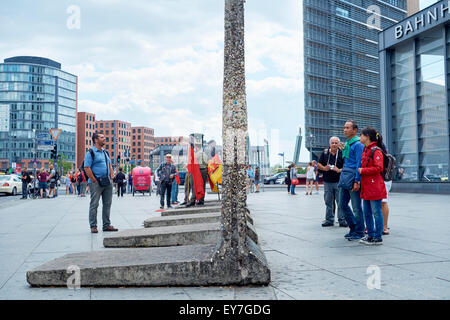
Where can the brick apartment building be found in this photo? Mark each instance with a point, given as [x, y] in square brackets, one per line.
[85, 130]
[168, 141]
[118, 138]
[143, 142]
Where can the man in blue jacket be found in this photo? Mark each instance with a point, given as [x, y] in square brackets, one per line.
[350, 182]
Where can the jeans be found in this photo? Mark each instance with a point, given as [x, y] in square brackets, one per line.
[331, 197]
[24, 190]
[372, 209]
[293, 188]
[166, 188]
[79, 188]
[355, 218]
[83, 188]
[174, 192]
[289, 186]
[106, 194]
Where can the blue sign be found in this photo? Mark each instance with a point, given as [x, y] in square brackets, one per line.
[45, 142]
[42, 135]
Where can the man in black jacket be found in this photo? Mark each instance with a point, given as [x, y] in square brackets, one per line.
[166, 173]
[120, 178]
[26, 179]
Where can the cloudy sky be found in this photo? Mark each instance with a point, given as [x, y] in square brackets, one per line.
[159, 63]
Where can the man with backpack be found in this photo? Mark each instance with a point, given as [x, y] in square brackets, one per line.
[166, 173]
[98, 168]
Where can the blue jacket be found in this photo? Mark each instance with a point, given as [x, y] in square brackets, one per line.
[354, 159]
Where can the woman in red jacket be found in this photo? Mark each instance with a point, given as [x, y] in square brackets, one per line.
[373, 189]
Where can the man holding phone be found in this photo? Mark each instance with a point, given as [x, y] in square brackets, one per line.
[98, 168]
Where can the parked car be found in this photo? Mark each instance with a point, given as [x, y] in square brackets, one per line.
[273, 179]
[11, 184]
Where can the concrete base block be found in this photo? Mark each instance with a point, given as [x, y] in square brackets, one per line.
[194, 265]
[182, 219]
[178, 235]
[192, 210]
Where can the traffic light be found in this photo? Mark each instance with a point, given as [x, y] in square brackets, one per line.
[118, 159]
[54, 152]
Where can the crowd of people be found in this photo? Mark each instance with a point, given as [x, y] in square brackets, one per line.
[355, 172]
[45, 182]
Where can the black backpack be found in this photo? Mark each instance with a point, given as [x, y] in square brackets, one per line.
[93, 157]
[389, 164]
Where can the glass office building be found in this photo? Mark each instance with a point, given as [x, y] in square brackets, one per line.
[35, 96]
[415, 71]
[341, 65]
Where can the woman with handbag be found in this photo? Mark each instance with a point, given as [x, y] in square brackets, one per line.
[293, 176]
[373, 189]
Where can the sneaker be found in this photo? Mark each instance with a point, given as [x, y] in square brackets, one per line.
[348, 235]
[366, 240]
[376, 241]
[354, 238]
[161, 207]
[343, 225]
[327, 224]
[169, 207]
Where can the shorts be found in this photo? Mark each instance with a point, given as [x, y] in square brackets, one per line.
[256, 181]
[317, 178]
[309, 179]
[388, 185]
[52, 185]
[43, 185]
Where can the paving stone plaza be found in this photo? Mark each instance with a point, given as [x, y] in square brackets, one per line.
[306, 260]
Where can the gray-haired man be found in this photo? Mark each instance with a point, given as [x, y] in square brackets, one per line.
[331, 163]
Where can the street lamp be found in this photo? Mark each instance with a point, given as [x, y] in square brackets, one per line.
[311, 137]
[282, 155]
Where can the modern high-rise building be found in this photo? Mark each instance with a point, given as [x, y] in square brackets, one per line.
[341, 64]
[36, 95]
[85, 130]
[415, 98]
[118, 139]
[143, 142]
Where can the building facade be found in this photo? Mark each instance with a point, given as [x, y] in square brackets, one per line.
[341, 65]
[168, 141]
[118, 139]
[143, 142]
[415, 74]
[85, 130]
[36, 95]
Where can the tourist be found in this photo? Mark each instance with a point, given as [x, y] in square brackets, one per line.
[349, 182]
[166, 173]
[373, 189]
[100, 172]
[331, 163]
[287, 180]
[174, 191]
[250, 178]
[43, 179]
[120, 178]
[316, 177]
[67, 183]
[130, 182]
[82, 181]
[385, 208]
[292, 171]
[73, 181]
[310, 177]
[53, 182]
[257, 179]
[26, 179]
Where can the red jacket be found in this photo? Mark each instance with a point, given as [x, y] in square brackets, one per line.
[372, 183]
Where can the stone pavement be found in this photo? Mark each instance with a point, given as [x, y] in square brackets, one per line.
[306, 260]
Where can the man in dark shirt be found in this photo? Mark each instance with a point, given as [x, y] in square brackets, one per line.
[331, 163]
[26, 179]
[120, 178]
[166, 173]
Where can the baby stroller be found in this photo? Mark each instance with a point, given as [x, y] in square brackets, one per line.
[33, 189]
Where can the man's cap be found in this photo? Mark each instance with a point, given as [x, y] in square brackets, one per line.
[169, 155]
